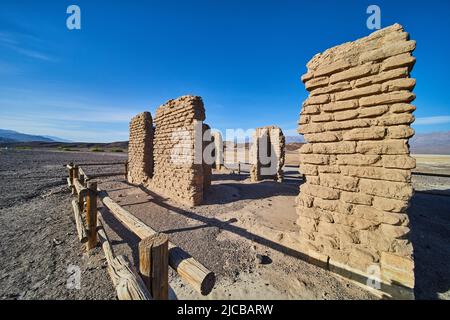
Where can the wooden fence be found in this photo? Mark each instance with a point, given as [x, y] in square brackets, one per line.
[156, 252]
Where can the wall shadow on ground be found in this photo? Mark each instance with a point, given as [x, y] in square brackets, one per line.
[217, 193]
[430, 236]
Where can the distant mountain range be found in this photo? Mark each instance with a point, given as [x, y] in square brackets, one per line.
[431, 143]
[10, 136]
[426, 143]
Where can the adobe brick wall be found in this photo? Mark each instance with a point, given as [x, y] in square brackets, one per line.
[353, 207]
[275, 149]
[176, 174]
[218, 150]
[207, 168]
[140, 149]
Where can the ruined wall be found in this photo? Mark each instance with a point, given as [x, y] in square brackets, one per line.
[273, 139]
[177, 173]
[218, 150]
[352, 208]
[140, 148]
[207, 166]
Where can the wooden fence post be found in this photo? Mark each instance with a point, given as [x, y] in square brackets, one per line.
[126, 170]
[74, 176]
[154, 265]
[239, 168]
[81, 196]
[91, 214]
[71, 173]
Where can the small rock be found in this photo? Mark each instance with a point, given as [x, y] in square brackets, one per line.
[262, 259]
[57, 242]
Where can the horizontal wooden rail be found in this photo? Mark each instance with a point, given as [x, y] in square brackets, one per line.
[79, 187]
[189, 269]
[81, 229]
[69, 183]
[101, 163]
[106, 174]
[441, 175]
[83, 174]
[127, 282]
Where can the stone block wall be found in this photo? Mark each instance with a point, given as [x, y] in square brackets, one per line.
[207, 167]
[140, 149]
[267, 141]
[178, 170]
[353, 207]
[218, 150]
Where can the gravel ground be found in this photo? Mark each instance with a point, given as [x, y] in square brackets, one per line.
[39, 246]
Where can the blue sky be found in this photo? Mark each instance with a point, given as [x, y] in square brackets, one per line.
[244, 58]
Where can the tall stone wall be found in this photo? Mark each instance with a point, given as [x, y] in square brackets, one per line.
[207, 166]
[218, 150]
[178, 170]
[267, 154]
[140, 149]
[356, 120]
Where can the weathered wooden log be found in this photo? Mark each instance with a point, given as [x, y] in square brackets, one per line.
[154, 265]
[74, 178]
[189, 269]
[79, 187]
[91, 214]
[427, 174]
[100, 163]
[81, 230]
[83, 174]
[105, 174]
[69, 184]
[127, 282]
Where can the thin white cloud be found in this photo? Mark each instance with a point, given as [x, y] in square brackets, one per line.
[432, 120]
[13, 42]
[32, 53]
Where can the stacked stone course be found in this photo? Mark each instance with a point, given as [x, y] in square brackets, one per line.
[140, 149]
[356, 120]
[275, 149]
[176, 174]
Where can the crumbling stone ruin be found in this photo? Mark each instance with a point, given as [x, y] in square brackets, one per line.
[169, 158]
[207, 166]
[356, 120]
[177, 149]
[218, 150]
[267, 154]
[140, 148]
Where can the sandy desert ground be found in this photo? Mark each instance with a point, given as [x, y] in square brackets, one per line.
[244, 232]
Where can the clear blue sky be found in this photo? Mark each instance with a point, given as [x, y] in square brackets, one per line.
[244, 58]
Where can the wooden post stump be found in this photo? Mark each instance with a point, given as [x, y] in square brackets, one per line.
[126, 170]
[154, 265]
[91, 214]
